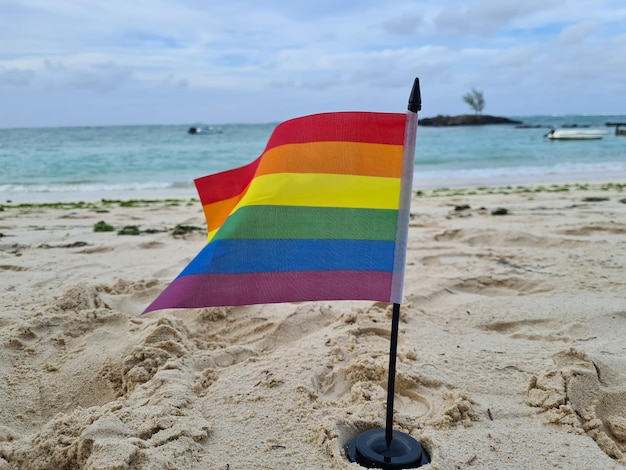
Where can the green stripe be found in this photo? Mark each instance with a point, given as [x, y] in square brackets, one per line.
[304, 222]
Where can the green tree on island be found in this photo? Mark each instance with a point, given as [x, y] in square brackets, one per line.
[475, 100]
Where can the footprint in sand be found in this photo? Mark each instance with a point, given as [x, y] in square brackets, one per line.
[11, 267]
[129, 297]
[493, 238]
[588, 394]
[500, 286]
[602, 229]
[259, 328]
[356, 372]
[363, 379]
[96, 250]
[527, 329]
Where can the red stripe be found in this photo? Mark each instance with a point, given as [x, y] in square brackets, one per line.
[225, 184]
[214, 290]
[375, 128]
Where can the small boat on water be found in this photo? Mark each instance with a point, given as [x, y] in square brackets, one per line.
[204, 130]
[618, 125]
[575, 134]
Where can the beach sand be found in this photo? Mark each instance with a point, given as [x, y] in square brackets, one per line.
[511, 349]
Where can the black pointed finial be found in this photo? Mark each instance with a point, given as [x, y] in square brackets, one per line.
[415, 100]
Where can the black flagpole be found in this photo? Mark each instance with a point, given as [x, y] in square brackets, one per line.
[386, 448]
[391, 374]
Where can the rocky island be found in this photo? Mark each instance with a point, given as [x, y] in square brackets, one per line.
[465, 120]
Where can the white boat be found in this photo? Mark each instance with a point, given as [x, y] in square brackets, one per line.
[617, 125]
[204, 130]
[575, 134]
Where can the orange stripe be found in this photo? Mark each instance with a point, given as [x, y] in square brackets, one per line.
[348, 158]
[217, 212]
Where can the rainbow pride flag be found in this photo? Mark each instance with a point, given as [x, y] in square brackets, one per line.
[322, 214]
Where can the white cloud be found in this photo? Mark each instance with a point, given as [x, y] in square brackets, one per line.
[487, 17]
[101, 78]
[304, 55]
[15, 77]
[574, 34]
[404, 25]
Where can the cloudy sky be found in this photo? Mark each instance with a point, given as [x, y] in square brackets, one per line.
[95, 62]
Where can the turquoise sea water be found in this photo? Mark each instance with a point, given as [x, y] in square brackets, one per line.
[86, 163]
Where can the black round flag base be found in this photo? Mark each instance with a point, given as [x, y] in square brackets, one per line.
[369, 449]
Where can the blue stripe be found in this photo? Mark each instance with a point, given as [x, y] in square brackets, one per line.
[253, 256]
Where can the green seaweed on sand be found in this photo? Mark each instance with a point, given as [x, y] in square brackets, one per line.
[77, 244]
[595, 199]
[129, 230]
[613, 186]
[52, 205]
[181, 230]
[500, 211]
[144, 202]
[104, 205]
[102, 226]
[521, 189]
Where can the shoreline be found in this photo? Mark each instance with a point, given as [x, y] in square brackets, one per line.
[92, 196]
[516, 180]
[457, 187]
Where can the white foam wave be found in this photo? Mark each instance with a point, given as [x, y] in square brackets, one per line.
[20, 188]
[565, 172]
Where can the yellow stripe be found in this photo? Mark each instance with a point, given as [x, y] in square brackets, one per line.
[323, 190]
[212, 234]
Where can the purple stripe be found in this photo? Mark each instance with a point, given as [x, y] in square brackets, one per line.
[214, 290]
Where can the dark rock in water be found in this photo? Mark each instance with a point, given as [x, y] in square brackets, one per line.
[466, 120]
